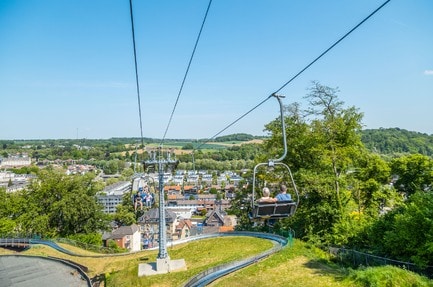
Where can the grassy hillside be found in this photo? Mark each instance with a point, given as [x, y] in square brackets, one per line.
[305, 266]
[297, 265]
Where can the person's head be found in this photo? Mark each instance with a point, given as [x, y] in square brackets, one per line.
[283, 188]
[266, 192]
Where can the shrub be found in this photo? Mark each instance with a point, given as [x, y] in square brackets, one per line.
[388, 276]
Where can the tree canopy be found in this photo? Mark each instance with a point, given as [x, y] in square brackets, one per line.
[54, 205]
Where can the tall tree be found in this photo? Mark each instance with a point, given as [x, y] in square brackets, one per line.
[61, 205]
[324, 148]
[414, 173]
[10, 209]
[406, 233]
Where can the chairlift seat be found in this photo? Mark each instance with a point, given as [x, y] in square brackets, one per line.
[277, 210]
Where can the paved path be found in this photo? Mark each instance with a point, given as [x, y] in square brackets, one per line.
[30, 271]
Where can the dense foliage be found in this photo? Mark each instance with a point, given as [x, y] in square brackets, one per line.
[232, 158]
[406, 232]
[54, 205]
[235, 137]
[349, 195]
[394, 140]
[387, 276]
[113, 155]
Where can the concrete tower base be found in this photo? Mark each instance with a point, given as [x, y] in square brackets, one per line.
[161, 266]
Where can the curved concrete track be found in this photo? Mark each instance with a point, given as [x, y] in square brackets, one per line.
[33, 271]
[212, 274]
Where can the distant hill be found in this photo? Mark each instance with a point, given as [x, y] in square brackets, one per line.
[236, 137]
[396, 140]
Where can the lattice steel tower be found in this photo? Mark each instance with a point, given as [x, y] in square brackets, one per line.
[161, 163]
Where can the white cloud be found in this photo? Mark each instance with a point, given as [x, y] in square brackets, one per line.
[428, 72]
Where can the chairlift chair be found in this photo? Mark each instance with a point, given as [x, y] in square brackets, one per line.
[142, 180]
[279, 209]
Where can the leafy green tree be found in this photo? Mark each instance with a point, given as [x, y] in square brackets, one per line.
[324, 148]
[127, 173]
[213, 190]
[124, 215]
[10, 209]
[7, 227]
[241, 207]
[188, 146]
[406, 233]
[61, 205]
[336, 133]
[414, 173]
[26, 170]
[7, 224]
[370, 184]
[90, 238]
[111, 167]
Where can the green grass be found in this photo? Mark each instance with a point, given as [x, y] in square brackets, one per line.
[297, 265]
[306, 266]
[198, 255]
[300, 265]
[386, 276]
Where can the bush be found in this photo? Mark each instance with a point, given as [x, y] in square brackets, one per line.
[386, 276]
[91, 238]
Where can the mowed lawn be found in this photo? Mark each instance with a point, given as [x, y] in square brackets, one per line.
[297, 265]
[203, 254]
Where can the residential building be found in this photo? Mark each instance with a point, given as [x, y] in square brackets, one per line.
[112, 195]
[15, 161]
[149, 225]
[128, 237]
[183, 229]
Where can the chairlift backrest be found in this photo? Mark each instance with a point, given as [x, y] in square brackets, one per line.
[277, 210]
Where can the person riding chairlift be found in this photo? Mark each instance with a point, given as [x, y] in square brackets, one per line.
[283, 195]
[266, 198]
[138, 200]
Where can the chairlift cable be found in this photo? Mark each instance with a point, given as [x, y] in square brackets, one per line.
[136, 73]
[232, 123]
[332, 46]
[186, 73]
[298, 74]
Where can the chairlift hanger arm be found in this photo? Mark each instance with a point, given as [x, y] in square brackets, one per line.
[283, 129]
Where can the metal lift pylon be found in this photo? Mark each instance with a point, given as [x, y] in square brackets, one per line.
[163, 262]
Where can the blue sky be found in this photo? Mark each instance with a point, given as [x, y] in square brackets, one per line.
[67, 67]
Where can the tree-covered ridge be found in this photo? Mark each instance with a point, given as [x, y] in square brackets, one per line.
[236, 137]
[386, 141]
[396, 140]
